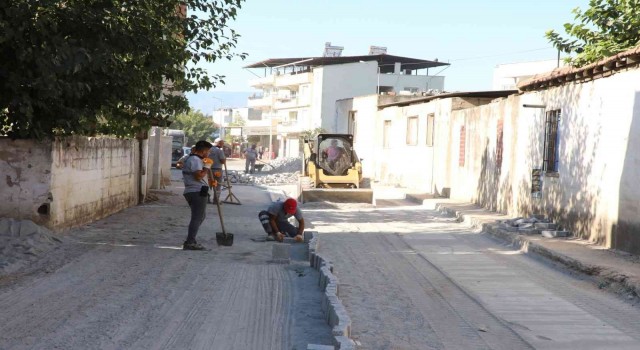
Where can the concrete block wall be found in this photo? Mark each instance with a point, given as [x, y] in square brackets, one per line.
[92, 178]
[25, 171]
[69, 181]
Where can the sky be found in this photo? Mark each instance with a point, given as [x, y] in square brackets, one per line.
[473, 36]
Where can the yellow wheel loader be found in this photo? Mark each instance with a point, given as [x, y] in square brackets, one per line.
[332, 171]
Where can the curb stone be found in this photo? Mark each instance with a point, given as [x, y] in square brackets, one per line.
[335, 313]
[603, 276]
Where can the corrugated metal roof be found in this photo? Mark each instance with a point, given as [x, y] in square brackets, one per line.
[476, 94]
[383, 60]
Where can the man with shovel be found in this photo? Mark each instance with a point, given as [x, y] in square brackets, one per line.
[275, 222]
[196, 190]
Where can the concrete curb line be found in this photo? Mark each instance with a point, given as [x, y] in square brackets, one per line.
[335, 313]
[602, 276]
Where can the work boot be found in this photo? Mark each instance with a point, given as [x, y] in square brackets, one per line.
[193, 246]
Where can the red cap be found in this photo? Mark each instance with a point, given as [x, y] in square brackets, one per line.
[290, 206]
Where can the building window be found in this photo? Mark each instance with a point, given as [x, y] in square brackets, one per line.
[499, 136]
[293, 117]
[412, 131]
[386, 133]
[550, 162]
[430, 129]
[463, 146]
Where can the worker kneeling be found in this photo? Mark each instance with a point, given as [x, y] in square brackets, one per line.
[275, 222]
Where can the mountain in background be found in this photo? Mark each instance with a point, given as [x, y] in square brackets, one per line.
[206, 103]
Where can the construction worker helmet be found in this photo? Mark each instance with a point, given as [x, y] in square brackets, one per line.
[290, 206]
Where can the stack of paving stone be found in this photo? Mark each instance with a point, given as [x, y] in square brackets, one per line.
[533, 226]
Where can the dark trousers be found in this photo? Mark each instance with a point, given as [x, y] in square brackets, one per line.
[249, 165]
[198, 205]
[283, 226]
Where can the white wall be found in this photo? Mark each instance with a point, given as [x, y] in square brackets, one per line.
[401, 81]
[340, 82]
[73, 180]
[507, 76]
[92, 178]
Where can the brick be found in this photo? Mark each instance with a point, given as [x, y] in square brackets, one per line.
[281, 252]
[555, 234]
[320, 347]
[545, 226]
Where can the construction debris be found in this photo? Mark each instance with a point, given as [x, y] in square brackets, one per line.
[533, 226]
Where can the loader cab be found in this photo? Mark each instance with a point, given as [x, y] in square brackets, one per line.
[335, 154]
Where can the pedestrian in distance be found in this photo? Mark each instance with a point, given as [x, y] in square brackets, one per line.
[217, 155]
[250, 159]
[196, 190]
[275, 222]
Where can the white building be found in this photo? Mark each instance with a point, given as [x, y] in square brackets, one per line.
[507, 76]
[300, 94]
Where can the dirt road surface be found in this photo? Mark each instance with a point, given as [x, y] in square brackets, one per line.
[125, 283]
[411, 278]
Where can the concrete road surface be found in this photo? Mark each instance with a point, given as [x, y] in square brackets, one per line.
[411, 278]
[125, 283]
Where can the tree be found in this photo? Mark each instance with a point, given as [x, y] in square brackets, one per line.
[106, 66]
[605, 29]
[196, 126]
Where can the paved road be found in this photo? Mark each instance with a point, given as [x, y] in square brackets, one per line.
[124, 283]
[413, 279]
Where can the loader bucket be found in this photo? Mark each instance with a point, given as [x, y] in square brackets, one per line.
[338, 195]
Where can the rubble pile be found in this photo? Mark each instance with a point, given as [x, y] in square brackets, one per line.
[22, 241]
[285, 165]
[533, 226]
[271, 179]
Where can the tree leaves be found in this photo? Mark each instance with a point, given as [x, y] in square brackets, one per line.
[605, 29]
[109, 66]
[195, 125]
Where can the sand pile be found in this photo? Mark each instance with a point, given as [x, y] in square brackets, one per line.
[22, 241]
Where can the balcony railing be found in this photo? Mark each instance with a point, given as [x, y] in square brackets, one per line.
[259, 100]
[266, 81]
[294, 79]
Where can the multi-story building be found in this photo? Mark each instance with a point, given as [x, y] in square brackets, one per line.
[300, 94]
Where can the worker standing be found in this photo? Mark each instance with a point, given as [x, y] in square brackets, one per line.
[219, 159]
[251, 154]
[196, 190]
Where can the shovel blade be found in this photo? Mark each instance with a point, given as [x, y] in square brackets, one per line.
[224, 239]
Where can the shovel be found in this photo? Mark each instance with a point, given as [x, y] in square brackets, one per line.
[223, 238]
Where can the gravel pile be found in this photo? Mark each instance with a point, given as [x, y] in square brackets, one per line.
[22, 241]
